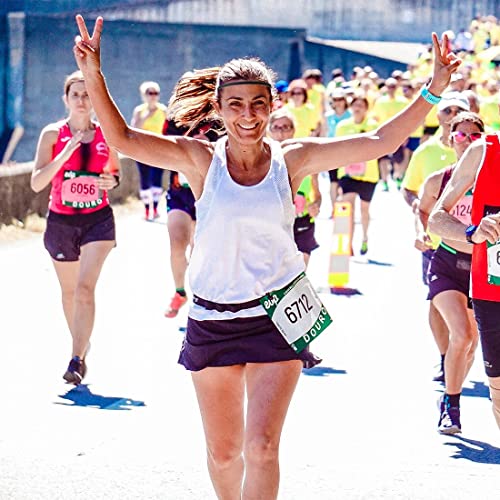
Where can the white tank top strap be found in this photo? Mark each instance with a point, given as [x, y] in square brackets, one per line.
[244, 245]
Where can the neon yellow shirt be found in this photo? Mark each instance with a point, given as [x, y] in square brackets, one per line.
[155, 122]
[386, 107]
[366, 171]
[489, 112]
[305, 119]
[431, 119]
[315, 97]
[429, 157]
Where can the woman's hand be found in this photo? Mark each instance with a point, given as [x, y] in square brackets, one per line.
[445, 64]
[107, 182]
[71, 146]
[87, 49]
[423, 242]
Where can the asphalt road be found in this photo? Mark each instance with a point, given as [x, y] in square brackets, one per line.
[362, 425]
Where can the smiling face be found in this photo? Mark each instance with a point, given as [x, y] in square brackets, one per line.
[464, 133]
[282, 129]
[245, 111]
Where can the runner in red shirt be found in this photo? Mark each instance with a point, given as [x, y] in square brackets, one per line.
[73, 156]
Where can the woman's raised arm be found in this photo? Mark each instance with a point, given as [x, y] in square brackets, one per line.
[176, 153]
[315, 155]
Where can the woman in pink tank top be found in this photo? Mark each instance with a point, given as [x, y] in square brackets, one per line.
[72, 156]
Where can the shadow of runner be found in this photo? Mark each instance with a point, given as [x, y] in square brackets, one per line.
[479, 390]
[475, 451]
[322, 371]
[82, 396]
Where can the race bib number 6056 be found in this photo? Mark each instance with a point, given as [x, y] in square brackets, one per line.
[297, 312]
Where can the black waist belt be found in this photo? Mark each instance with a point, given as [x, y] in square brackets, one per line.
[214, 306]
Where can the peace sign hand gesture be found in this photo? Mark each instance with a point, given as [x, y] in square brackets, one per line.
[445, 64]
[87, 49]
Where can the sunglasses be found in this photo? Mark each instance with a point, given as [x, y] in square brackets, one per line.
[449, 111]
[281, 128]
[459, 137]
[152, 92]
[299, 92]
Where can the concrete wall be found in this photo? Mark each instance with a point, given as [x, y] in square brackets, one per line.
[17, 200]
[132, 53]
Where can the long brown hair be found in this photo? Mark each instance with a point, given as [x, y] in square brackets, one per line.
[193, 98]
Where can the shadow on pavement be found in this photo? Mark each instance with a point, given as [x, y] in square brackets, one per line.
[322, 371]
[82, 396]
[475, 451]
[346, 291]
[378, 263]
[479, 390]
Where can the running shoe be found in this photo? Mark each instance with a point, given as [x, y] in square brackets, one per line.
[364, 248]
[399, 181]
[146, 213]
[176, 303]
[76, 371]
[386, 186]
[449, 418]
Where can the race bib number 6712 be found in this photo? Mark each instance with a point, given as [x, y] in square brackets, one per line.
[297, 312]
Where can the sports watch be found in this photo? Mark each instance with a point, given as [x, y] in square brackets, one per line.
[469, 232]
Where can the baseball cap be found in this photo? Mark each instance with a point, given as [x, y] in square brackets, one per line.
[281, 85]
[457, 99]
[337, 93]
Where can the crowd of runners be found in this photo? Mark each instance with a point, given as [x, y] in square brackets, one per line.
[235, 141]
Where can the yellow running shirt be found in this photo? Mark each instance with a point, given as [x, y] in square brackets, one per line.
[429, 157]
[155, 122]
[368, 171]
[305, 119]
[385, 107]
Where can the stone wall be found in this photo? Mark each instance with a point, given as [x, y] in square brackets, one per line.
[17, 199]
[132, 53]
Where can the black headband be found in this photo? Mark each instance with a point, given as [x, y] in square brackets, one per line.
[244, 82]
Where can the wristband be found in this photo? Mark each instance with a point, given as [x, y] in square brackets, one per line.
[117, 179]
[430, 98]
[469, 233]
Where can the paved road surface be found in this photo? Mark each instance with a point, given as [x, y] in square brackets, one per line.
[362, 425]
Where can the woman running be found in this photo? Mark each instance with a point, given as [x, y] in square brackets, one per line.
[449, 276]
[245, 269]
[73, 156]
[150, 115]
[359, 179]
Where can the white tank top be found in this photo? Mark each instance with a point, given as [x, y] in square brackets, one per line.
[243, 243]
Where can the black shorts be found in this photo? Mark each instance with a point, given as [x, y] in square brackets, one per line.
[449, 271]
[363, 188]
[66, 234]
[430, 130]
[235, 342]
[181, 198]
[426, 262]
[397, 156]
[303, 233]
[413, 143]
[488, 323]
[334, 175]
